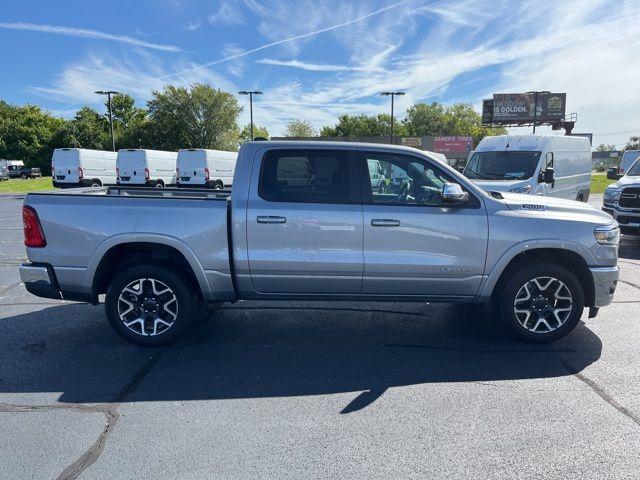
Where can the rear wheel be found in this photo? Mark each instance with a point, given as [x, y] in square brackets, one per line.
[96, 183]
[541, 303]
[159, 184]
[149, 305]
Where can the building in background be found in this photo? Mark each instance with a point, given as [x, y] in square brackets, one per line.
[455, 148]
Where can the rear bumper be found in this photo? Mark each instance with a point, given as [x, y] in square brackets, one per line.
[605, 280]
[40, 280]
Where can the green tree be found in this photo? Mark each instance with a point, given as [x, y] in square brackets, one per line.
[27, 133]
[258, 131]
[363, 126]
[87, 129]
[437, 119]
[633, 143]
[605, 148]
[299, 128]
[199, 117]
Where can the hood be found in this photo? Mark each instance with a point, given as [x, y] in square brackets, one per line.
[555, 207]
[500, 185]
[626, 181]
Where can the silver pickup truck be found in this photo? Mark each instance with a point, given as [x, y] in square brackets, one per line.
[303, 222]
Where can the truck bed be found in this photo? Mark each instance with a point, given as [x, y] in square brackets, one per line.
[144, 192]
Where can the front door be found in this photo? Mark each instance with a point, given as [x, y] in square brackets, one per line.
[304, 228]
[414, 244]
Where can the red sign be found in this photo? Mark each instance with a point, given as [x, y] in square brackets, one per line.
[453, 144]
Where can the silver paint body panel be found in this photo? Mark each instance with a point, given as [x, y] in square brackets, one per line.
[320, 251]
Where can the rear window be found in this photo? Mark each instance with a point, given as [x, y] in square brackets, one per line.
[305, 176]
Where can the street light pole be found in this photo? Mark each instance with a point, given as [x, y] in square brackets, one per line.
[251, 93]
[108, 93]
[392, 95]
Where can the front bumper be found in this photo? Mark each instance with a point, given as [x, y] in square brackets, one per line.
[628, 218]
[605, 280]
[40, 280]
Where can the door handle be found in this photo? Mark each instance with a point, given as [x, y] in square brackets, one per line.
[385, 222]
[271, 219]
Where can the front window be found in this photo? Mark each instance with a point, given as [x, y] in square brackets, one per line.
[405, 181]
[635, 169]
[502, 165]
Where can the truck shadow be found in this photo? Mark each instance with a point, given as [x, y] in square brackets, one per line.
[262, 349]
[629, 247]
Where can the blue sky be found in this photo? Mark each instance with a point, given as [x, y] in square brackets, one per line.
[317, 59]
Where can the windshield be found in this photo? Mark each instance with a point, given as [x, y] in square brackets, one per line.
[502, 165]
[635, 169]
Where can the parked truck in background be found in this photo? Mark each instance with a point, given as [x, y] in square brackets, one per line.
[621, 200]
[199, 167]
[81, 167]
[546, 165]
[303, 222]
[151, 168]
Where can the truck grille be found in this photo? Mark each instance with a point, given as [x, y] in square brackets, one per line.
[630, 198]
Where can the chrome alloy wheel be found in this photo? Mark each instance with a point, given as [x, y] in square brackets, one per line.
[543, 304]
[147, 307]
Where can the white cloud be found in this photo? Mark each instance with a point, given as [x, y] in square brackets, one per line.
[86, 33]
[137, 74]
[227, 14]
[312, 67]
[192, 26]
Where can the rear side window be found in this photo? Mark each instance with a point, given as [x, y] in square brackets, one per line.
[306, 176]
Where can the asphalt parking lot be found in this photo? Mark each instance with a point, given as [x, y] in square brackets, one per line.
[315, 390]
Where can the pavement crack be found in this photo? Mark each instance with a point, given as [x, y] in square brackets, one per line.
[112, 416]
[604, 395]
[9, 287]
[631, 284]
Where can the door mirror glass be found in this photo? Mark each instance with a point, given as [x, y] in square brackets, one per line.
[548, 175]
[453, 194]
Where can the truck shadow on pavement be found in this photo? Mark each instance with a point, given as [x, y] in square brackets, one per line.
[263, 349]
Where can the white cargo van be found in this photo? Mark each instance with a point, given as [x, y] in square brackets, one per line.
[548, 165]
[199, 167]
[152, 168]
[80, 167]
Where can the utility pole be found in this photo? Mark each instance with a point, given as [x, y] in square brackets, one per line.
[392, 95]
[108, 93]
[251, 93]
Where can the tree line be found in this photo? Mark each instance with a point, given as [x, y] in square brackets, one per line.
[200, 117]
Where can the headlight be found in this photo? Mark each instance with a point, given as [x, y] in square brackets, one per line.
[611, 195]
[524, 189]
[607, 235]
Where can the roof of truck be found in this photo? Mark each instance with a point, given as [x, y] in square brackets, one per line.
[330, 144]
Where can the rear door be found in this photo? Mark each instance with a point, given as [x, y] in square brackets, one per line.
[413, 243]
[304, 227]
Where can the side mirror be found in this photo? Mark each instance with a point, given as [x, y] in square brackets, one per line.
[453, 194]
[460, 169]
[548, 176]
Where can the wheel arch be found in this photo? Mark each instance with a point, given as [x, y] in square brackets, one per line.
[119, 251]
[568, 258]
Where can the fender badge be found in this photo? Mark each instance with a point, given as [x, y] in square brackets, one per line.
[531, 206]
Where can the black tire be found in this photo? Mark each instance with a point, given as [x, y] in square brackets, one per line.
[514, 285]
[96, 183]
[179, 287]
[159, 184]
[24, 176]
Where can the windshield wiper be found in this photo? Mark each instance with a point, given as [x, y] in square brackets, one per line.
[482, 177]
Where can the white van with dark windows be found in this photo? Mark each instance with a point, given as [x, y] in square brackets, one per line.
[199, 167]
[80, 167]
[151, 168]
[547, 165]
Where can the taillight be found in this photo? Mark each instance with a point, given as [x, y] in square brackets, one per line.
[206, 174]
[33, 236]
[80, 173]
[146, 174]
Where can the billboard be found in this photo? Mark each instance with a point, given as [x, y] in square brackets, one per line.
[452, 144]
[514, 108]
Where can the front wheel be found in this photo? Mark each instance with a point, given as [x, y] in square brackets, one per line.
[149, 305]
[543, 302]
